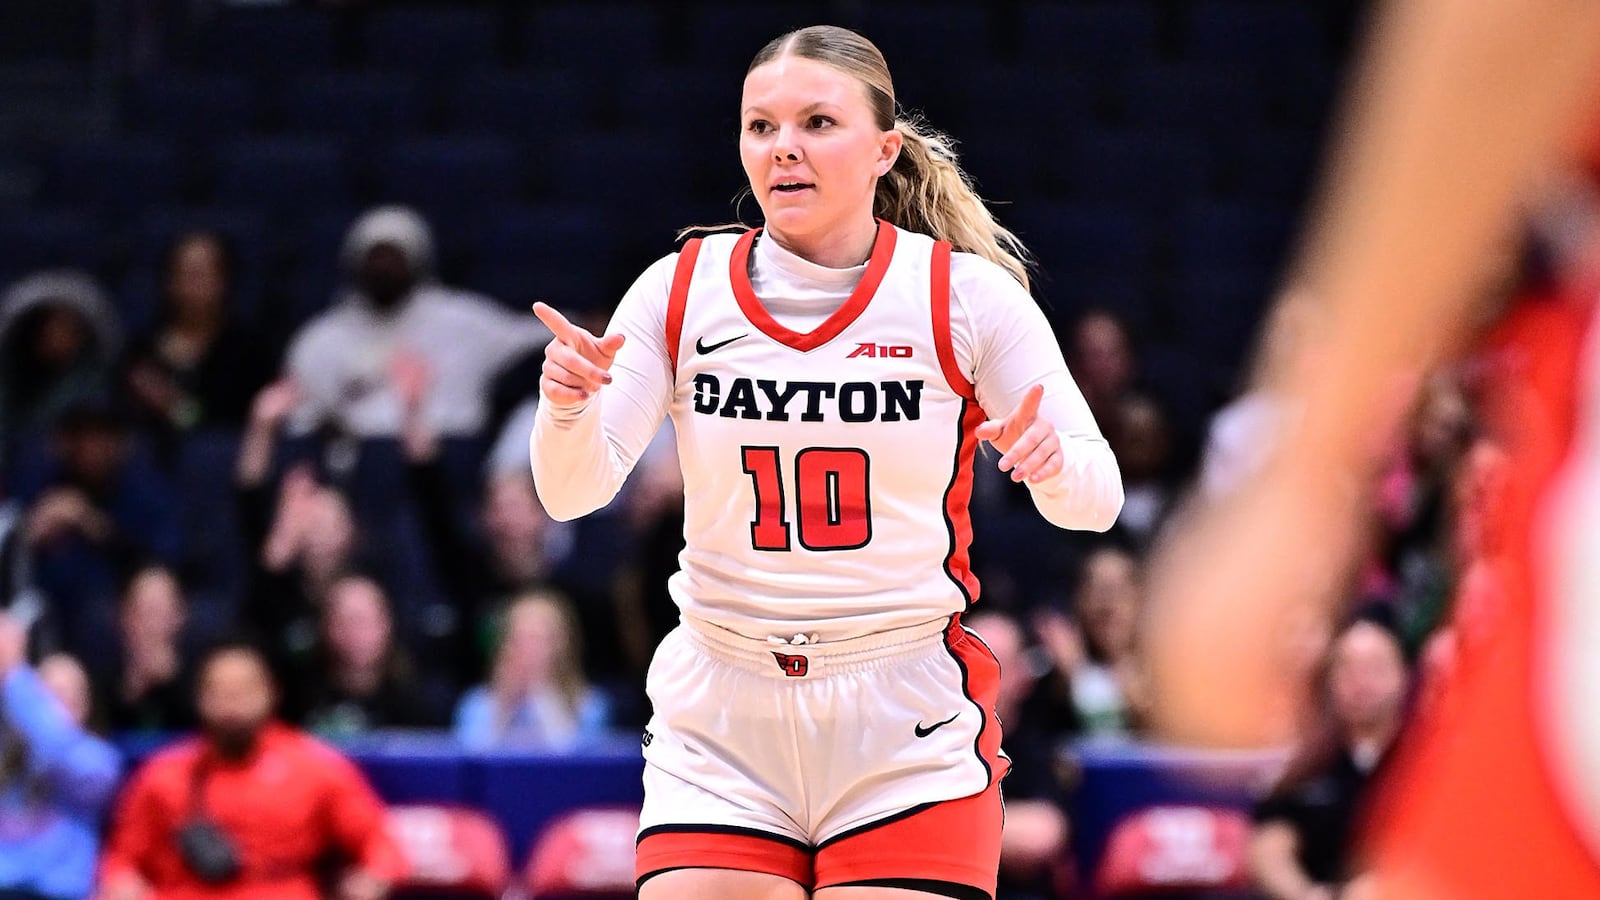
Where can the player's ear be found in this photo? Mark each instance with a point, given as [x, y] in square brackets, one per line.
[889, 149]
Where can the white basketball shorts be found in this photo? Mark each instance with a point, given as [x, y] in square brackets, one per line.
[874, 760]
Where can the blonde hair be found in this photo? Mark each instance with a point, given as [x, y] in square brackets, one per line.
[925, 191]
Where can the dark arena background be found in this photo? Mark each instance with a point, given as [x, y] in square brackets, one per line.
[179, 180]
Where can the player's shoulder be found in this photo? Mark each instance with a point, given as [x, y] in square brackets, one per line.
[710, 246]
[974, 271]
[965, 268]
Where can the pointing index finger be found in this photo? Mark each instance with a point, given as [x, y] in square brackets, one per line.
[1028, 409]
[558, 324]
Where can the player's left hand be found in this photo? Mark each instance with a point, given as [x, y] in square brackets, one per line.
[1031, 447]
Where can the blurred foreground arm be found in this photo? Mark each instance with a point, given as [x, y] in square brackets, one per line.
[1457, 107]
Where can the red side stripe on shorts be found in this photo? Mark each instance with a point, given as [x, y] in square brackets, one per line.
[679, 298]
[721, 847]
[980, 681]
[955, 841]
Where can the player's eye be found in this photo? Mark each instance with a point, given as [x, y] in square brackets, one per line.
[819, 122]
[758, 126]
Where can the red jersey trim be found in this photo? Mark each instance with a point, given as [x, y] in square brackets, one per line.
[679, 297]
[745, 294]
[957, 496]
[939, 300]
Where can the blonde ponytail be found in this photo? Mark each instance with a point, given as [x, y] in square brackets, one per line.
[927, 192]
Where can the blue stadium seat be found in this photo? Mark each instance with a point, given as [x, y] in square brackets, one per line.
[449, 173]
[33, 239]
[1254, 33]
[318, 276]
[1074, 241]
[122, 176]
[258, 41]
[1303, 96]
[432, 41]
[311, 290]
[1068, 294]
[1004, 170]
[629, 170]
[354, 105]
[1189, 385]
[550, 235]
[1038, 104]
[929, 46]
[1212, 235]
[246, 229]
[1217, 312]
[1109, 34]
[519, 283]
[521, 105]
[1193, 99]
[683, 101]
[725, 36]
[525, 254]
[599, 39]
[1144, 171]
[205, 484]
[1272, 167]
[284, 176]
[381, 500]
[137, 298]
[192, 106]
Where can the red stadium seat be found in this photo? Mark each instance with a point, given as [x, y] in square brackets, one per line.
[453, 850]
[1175, 849]
[588, 853]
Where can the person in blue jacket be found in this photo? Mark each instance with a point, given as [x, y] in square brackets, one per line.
[56, 778]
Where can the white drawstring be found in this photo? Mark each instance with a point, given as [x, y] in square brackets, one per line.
[797, 640]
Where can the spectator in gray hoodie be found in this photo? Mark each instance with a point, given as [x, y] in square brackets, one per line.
[394, 309]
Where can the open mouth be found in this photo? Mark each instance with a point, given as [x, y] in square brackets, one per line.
[791, 187]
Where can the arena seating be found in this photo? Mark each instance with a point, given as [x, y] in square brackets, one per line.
[1154, 155]
[1104, 106]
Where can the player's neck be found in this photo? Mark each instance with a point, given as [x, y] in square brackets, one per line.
[836, 248]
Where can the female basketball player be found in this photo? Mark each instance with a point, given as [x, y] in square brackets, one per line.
[822, 723]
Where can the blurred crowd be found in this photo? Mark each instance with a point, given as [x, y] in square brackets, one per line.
[354, 499]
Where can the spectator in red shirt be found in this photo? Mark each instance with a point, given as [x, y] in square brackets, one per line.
[283, 800]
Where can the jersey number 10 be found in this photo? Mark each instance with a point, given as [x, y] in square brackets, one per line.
[831, 498]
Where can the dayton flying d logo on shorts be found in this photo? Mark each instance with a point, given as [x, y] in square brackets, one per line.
[792, 666]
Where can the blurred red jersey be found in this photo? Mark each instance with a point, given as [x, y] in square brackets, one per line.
[1496, 792]
[287, 805]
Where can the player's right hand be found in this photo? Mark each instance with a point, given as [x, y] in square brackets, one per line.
[576, 363]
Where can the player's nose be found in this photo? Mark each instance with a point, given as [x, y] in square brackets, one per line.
[786, 149]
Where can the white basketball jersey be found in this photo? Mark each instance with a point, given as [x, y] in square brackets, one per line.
[826, 474]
